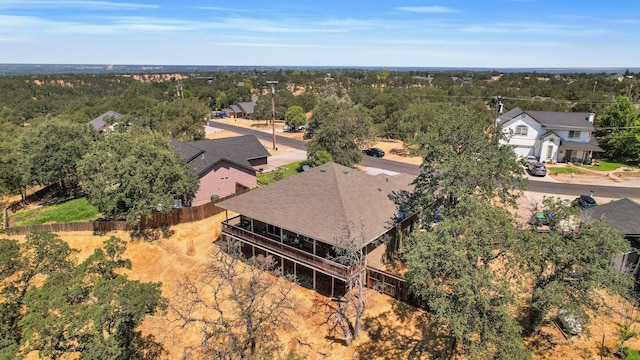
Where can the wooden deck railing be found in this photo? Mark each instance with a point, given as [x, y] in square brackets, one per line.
[326, 265]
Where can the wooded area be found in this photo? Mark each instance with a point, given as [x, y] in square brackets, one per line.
[447, 118]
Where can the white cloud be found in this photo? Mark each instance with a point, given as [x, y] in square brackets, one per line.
[84, 4]
[533, 28]
[270, 45]
[427, 9]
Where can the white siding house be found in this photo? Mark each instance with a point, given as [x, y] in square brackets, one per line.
[550, 136]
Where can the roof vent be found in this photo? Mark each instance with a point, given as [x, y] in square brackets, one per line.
[379, 189]
[202, 156]
[387, 179]
[345, 172]
[323, 170]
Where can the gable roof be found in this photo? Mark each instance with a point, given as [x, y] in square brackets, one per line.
[235, 108]
[325, 201]
[556, 120]
[623, 215]
[99, 123]
[247, 107]
[203, 154]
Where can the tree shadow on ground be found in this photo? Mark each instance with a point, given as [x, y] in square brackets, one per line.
[146, 347]
[404, 333]
[401, 152]
[152, 234]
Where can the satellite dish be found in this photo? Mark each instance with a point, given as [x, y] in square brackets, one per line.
[399, 215]
[305, 167]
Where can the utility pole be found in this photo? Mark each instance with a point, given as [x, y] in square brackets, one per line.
[498, 101]
[273, 112]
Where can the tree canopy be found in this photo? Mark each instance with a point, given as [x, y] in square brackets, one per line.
[341, 128]
[453, 268]
[295, 117]
[50, 151]
[463, 159]
[54, 305]
[619, 129]
[131, 174]
[568, 263]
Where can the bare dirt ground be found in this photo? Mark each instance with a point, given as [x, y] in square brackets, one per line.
[392, 330]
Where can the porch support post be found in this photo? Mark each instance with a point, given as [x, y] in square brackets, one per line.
[314, 278]
[226, 214]
[251, 225]
[314, 247]
[253, 251]
[332, 285]
[281, 265]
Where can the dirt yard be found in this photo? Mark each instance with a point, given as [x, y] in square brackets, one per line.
[392, 330]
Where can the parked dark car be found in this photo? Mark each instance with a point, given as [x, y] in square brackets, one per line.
[585, 202]
[537, 169]
[377, 152]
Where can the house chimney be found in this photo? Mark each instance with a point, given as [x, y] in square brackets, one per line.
[591, 117]
[202, 156]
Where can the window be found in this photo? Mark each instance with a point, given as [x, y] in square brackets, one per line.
[574, 134]
[522, 130]
[273, 230]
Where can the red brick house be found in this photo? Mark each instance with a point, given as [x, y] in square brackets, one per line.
[223, 165]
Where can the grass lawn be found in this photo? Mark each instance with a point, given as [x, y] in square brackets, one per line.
[278, 174]
[604, 165]
[564, 170]
[68, 211]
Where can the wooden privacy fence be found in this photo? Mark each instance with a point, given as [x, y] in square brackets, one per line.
[392, 285]
[153, 221]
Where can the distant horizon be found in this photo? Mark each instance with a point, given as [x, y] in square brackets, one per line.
[43, 68]
[503, 34]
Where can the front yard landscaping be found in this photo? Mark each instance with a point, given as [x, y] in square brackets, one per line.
[280, 173]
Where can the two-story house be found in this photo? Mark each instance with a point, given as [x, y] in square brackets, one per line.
[551, 136]
[301, 220]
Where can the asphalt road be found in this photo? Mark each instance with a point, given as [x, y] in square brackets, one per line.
[615, 192]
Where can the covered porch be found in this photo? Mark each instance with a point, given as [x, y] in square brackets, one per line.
[577, 152]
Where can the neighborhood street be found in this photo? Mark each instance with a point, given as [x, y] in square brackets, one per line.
[613, 192]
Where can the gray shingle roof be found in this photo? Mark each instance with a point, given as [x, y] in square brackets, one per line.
[592, 145]
[99, 123]
[562, 120]
[247, 107]
[324, 201]
[555, 120]
[623, 215]
[203, 154]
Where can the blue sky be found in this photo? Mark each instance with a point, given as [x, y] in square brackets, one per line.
[455, 33]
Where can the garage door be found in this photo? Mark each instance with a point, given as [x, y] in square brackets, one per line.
[523, 151]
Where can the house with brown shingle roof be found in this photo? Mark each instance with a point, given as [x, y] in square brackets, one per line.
[224, 165]
[301, 220]
[551, 136]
